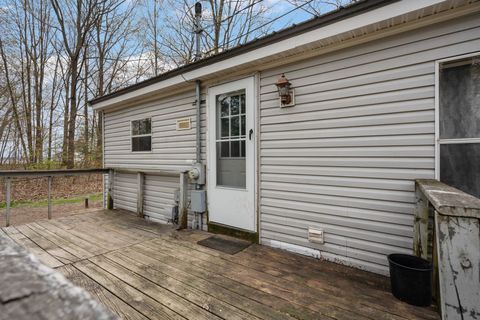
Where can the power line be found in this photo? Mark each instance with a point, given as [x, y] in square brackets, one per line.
[263, 25]
[241, 10]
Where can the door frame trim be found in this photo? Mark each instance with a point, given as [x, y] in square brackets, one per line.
[255, 115]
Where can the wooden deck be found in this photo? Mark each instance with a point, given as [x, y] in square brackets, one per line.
[142, 270]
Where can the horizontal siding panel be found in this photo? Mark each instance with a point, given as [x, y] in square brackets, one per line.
[389, 195]
[365, 217]
[332, 180]
[159, 196]
[381, 173]
[345, 200]
[300, 114]
[365, 241]
[411, 151]
[125, 191]
[420, 163]
[399, 47]
[383, 130]
[400, 140]
[172, 150]
[309, 94]
[345, 157]
[306, 219]
[366, 75]
[374, 120]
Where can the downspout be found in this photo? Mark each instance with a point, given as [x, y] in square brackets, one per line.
[198, 92]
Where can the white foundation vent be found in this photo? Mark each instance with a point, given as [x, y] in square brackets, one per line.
[315, 235]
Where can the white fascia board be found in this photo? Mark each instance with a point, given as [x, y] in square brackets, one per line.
[358, 21]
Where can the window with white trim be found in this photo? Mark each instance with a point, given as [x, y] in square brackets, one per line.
[141, 135]
[459, 124]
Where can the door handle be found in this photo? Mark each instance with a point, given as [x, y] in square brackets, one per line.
[250, 134]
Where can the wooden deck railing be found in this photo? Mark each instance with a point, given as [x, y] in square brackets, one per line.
[183, 186]
[49, 174]
[447, 232]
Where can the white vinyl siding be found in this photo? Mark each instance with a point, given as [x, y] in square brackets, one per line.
[344, 159]
[172, 150]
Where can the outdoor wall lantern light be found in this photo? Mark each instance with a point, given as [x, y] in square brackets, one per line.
[286, 93]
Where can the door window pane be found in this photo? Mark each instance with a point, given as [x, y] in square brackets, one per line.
[460, 100]
[459, 118]
[231, 139]
[460, 166]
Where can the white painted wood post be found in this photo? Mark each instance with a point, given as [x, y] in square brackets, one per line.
[182, 204]
[458, 243]
[50, 197]
[140, 191]
[8, 182]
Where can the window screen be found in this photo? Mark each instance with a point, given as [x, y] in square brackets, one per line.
[142, 135]
[459, 122]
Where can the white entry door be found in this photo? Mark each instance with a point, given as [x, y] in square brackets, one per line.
[231, 154]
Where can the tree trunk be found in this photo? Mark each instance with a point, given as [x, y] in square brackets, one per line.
[73, 114]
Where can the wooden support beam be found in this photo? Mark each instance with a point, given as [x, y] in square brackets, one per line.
[140, 191]
[111, 178]
[8, 182]
[182, 203]
[50, 197]
[420, 237]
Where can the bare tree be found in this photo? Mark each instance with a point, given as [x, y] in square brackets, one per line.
[75, 19]
[226, 23]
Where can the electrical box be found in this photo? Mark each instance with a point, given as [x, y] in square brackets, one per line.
[198, 201]
[315, 235]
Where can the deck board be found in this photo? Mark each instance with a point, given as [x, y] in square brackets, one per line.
[143, 270]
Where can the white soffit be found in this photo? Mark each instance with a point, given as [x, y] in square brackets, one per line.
[404, 7]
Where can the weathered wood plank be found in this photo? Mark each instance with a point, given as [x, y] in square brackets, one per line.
[153, 269]
[207, 282]
[101, 294]
[459, 266]
[54, 250]
[167, 297]
[305, 296]
[135, 298]
[448, 200]
[420, 232]
[201, 298]
[89, 246]
[251, 289]
[33, 291]
[42, 255]
[66, 245]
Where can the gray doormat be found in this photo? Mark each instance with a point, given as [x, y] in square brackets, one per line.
[224, 244]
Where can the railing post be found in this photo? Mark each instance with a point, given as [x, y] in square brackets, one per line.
[50, 178]
[111, 177]
[420, 238]
[8, 182]
[140, 189]
[182, 205]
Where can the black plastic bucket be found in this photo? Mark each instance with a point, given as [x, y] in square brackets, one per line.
[411, 279]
